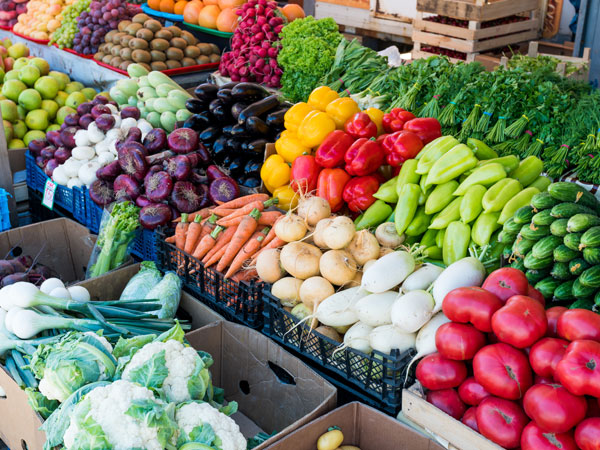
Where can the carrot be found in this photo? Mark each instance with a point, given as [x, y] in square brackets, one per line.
[222, 240]
[193, 234]
[275, 243]
[241, 201]
[224, 212]
[208, 226]
[204, 213]
[206, 243]
[268, 238]
[170, 240]
[245, 229]
[217, 256]
[181, 231]
[244, 275]
[247, 209]
[249, 249]
[266, 218]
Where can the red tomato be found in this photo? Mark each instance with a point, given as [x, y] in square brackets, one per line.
[520, 322]
[448, 401]
[458, 341]
[545, 355]
[469, 418]
[502, 370]
[553, 314]
[501, 421]
[543, 380]
[436, 372]
[587, 434]
[471, 305]
[536, 295]
[506, 282]
[554, 408]
[579, 370]
[471, 392]
[534, 438]
[593, 409]
[579, 324]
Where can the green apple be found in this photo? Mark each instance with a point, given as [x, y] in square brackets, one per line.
[6, 42]
[21, 112]
[62, 113]
[12, 89]
[89, 93]
[53, 127]
[9, 110]
[37, 120]
[75, 99]
[74, 86]
[30, 99]
[2, 74]
[11, 75]
[29, 75]
[20, 129]
[16, 143]
[61, 78]
[51, 107]
[20, 63]
[104, 94]
[61, 98]
[41, 64]
[32, 135]
[47, 86]
[18, 50]
[8, 130]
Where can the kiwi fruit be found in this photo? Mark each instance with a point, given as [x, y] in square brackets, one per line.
[115, 50]
[163, 34]
[159, 44]
[192, 52]
[153, 25]
[138, 44]
[158, 65]
[123, 24]
[141, 56]
[146, 66]
[214, 48]
[125, 40]
[174, 53]
[186, 62]
[98, 56]
[214, 58]
[106, 59]
[125, 54]
[108, 36]
[178, 43]
[175, 31]
[125, 64]
[205, 49]
[158, 55]
[203, 59]
[171, 64]
[141, 18]
[189, 37]
[133, 28]
[116, 39]
[144, 34]
[116, 61]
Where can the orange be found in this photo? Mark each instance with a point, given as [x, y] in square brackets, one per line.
[179, 6]
[167, 6]
[191, 11]
[230, 3]
[211, 2]
[227, 20]
[293, 12]
[208, 16]
[154, 4]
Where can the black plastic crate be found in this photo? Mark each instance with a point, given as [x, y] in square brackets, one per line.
[239, 302]
[377, 376]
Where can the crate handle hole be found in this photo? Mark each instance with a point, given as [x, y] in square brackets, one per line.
[2, 393]
[24, 445]
[245, 387]
[16, 251]
[282, 375]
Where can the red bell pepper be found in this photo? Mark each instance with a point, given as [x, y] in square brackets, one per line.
[360, 125]
[395, 119]
[332, 150]
[427, 128]
[330, 186]
[304, 174]
[364, 157]
[358, 192]
[400, 146]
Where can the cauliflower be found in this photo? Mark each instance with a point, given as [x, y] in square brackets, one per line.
[192, 419]
[121, 416]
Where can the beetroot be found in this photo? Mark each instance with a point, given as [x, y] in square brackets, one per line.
[85, 120]
[214, 173]
[158, 186]
[102, 193]
[126, 188]
[183, 140]
[185, 197]
[105, 122]
[223, 190]
[142, 201]
[48, 152]
[72, 120]
[37, 145]
[62, 154]
[50, 166]
[155, 215]
[130, 111]
[84, 108]
[99, 100]
[179, 167]
[109, 172]
[67, 137]
[155, 140]
[98, 110]
[133, 162]
[134, 135]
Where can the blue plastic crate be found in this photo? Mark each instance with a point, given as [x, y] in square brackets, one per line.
[63, 197]
[36, 178]
[93, 213]
[144, 246]
[4, 212]
[79, 204]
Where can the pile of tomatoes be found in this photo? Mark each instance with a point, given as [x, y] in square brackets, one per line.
[520, 375]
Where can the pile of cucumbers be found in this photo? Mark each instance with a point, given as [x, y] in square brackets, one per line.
[556, 242]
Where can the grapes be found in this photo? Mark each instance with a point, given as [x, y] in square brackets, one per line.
[63, 36]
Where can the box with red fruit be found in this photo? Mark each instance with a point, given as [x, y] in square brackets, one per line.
[10, 10]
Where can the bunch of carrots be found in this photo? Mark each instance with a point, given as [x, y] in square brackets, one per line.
[230, 234]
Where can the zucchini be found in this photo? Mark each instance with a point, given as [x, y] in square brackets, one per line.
[591, 255]
[506, 238]
[590, 276]
[518, 264]
[510, 226]
[566, 210]
[534, 275]
[581, 291]
[534, 232]
[531, 262]
[571, 192]
[543, 218]
[544, 248]
[547, 286]
[523, 215]
[559, 227]
[572, 240]
[543, 200]
[582, 303]
[560, 271]
[591, 238]
[522, 246]
[562, 253]
[577, 266]
[581, 222]
[564, 291]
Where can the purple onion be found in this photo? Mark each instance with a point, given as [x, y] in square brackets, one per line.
[126, 188]
[62, 154]
[48, 152]
[67, 137]
[130, 111]
[155, 141]
[155, 215]
[179, 167]
[183, 140]
[72, 120]
[133, 162]
[50, 166]
[142, 201]
[98, 110]
[84, 108]
[85, 120]
[223, 190]
[134, 135]
[185, 197]
[158, 186]
[100, 100]
[101, 192]
[37, 145]
[105, 122]
[109, 172]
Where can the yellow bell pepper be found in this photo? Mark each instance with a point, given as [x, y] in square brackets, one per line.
[275, 172]
[289, 148]
[295, 115]
[288, 199]
[314, 129]
[341, 110]
[321, 97]
[376, 116]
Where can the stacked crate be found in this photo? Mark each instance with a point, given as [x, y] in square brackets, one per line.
[464, 28]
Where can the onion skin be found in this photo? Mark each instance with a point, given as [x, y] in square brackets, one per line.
[179, 167]
[142, 201]
[223, 190]
[186, 197]
[183, 140]
[109, 172]
[155, 215]
[155, 141]
[158, 186]
[102, 193]
[126, 188]
[213, 173]
[133, 162]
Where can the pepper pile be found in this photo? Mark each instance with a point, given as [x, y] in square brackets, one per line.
[535, 382]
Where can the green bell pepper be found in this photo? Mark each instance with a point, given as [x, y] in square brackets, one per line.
[449, 214]
[439, 238]
[499, 194]
[541, 183]
[456, 242]
[481, 149]
[387, 191]
[376, 214]
[510, 162]
[485, 175]
[470, 206]
[433, 252]
[407, 175]
[523, 198]
[451, 165]
[440, 197]
[483, 228]
[529, 169]
[419, 224]
[428, 238]
[406, 208]
[434, 151]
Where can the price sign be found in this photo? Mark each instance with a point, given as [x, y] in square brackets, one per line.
[49, 191]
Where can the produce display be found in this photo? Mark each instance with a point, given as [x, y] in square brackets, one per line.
[221, 15]
[64, 35]
[42, 18]
[9, 10]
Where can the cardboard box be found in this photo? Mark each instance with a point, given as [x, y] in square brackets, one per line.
[363, 427]
[16, 158]
[62, 244]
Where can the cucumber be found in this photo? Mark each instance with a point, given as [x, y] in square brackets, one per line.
[531, 262]
[580, 291]
[543, 218]
[560, 271]
[592, 255]
[583, 303]
[589, 278]
[577, 266]
[572, 240]
[559, 227]
[564, 291]
[507, 253]
[544, 248]
[591, 238]
[510, 226]
[543, 200]
[562, 253]
[518, 264]
[547, 286]
[534, 232]
[566, 210]
[506, 238]
[597, 298]
[522, 246]
[523, 215]
[534, 275]
[571, 192]
[581, 222]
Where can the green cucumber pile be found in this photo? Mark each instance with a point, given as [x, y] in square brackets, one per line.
[556, 242]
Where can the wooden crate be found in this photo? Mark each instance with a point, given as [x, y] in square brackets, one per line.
[477, 10]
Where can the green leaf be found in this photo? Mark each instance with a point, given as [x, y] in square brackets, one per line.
[199, 380]
[152, 373]
[128, 347]
[229, 409]
[40, 404]
[154, 414]
[176, 333]
[90, 436]
[204, 434]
